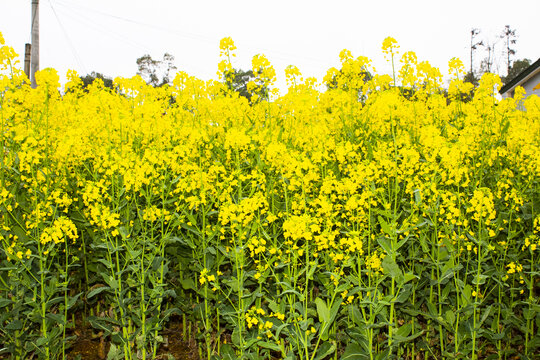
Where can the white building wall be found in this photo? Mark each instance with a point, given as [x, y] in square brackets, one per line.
[531, 83]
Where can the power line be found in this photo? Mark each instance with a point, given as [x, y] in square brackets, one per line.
[73, 50]
[136, 22]
[107, 31]
[274, 53]
[91, 23]
[81, 12]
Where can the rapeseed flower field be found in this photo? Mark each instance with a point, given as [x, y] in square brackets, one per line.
[382, 218]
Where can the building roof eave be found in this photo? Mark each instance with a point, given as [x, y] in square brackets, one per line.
[521, 77]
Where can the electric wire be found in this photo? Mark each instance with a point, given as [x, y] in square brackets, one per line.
[73, 50]
[104, 29]
[136, 22]
[278, 54]
[85, 20]
[81, 12]
[126, 40]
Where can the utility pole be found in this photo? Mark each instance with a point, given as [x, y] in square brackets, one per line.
[474, 46]
[34, 59]
[27, 55]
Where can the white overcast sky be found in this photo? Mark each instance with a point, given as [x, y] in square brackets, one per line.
[107, 36]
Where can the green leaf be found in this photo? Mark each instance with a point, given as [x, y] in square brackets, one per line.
[322, 310]
[404, 294]
[111, 281]
[4, 302]
[188, 284]
[401, 339]
[450, 317]
[479, 279]
[269, 345]
[417, 196]
[41, 341]
[432, 309]
[311, 271]
[114, 352]
[192, 229]
[56, 318]
[466, 294]
[73, 300]
[252, 356]
[354, 351]
[384, 355]
[326, 349]
[299, 296]
[391, 268]
[96, 291]
[14, 325]
[386, 245]
[98, 324]
[409, 276]
[290, 355]
[327, 324]
[134, 254]
[280, 328]
[401, 243]
[273, 306]
[404, 330]
[384, 225]
[485, 316]
[227, 352]
[528, 314]
[356, 315]
[235, 337]
[423, 244]
[233, 283]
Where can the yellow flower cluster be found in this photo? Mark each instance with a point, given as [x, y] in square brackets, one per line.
[482, 206]
[513, 268]
[308, 182]
[7, 200]
[205, 277]
[256, 246]
[153, 213]
[252, 317]
[374, 263]
[299, 227]
[61, 230]
[532, 242]
[103, 218]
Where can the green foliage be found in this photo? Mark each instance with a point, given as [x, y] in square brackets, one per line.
[470, 77]
[156, 72]
[90, 78]
[238, 82]
[517, 67]
[403, 227]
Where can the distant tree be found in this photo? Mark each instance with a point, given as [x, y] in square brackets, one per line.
[333, 83]
[347, 81]
[474, 46]
[238, 82]
[169, 67]
[486, 65]
[156, 72]
[510, 38]
[470, 77]
[517, 67]
[90, 78]
[490, 63]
